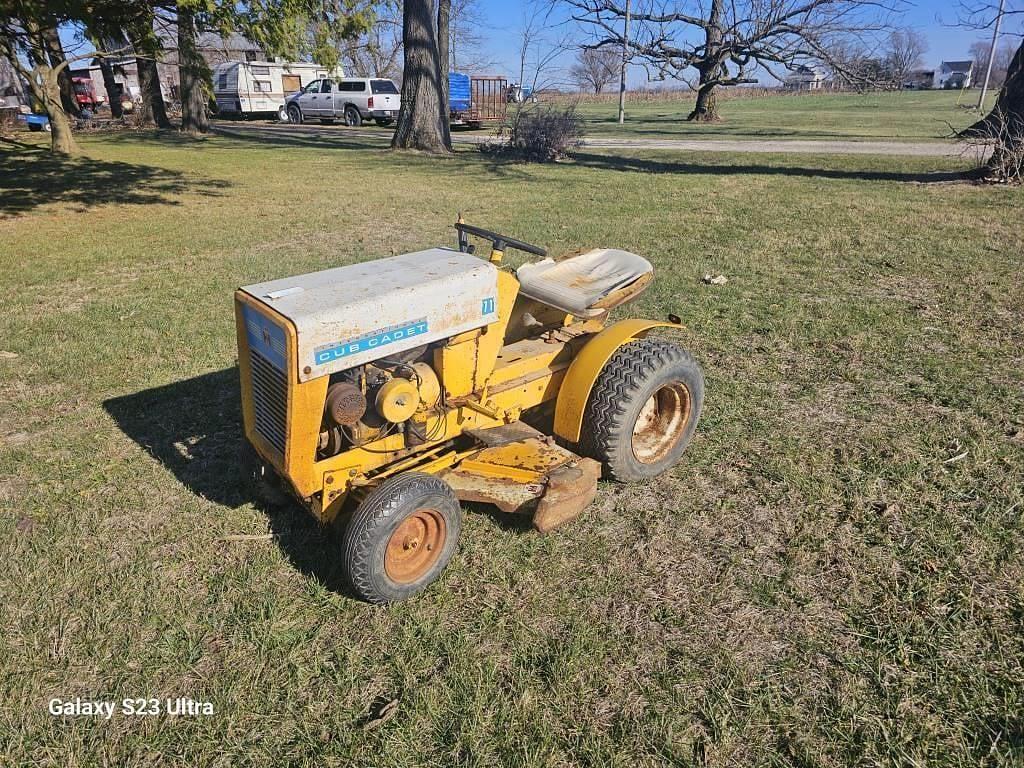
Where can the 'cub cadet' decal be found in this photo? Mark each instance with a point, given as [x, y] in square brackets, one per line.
[379, 338]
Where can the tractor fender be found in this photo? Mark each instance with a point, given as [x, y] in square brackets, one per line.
[586, 367]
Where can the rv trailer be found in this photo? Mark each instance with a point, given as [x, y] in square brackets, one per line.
[260, 87]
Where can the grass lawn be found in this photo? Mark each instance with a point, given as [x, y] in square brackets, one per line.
[904, 115]
[832, 576]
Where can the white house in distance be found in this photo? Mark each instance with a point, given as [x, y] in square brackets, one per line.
[954, 74]
[807, 78]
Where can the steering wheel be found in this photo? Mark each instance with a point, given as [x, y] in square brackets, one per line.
[498, 241]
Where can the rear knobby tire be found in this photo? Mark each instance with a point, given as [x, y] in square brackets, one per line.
[643, 410]
[401, 537]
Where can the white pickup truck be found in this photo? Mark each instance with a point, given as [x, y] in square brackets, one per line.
[352, 99]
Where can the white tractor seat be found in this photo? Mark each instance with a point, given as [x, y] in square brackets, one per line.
[589, 284]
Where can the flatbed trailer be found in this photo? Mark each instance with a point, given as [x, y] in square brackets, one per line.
[487, 100]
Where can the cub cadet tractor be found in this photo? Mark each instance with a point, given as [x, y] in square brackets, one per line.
[401, 386]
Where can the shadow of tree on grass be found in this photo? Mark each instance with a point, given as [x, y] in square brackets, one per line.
[29, 179]
[728, 168]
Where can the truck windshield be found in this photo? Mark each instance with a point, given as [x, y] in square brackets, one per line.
[383, 86]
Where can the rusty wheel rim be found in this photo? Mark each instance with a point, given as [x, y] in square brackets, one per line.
[661, 423]
[414, 546]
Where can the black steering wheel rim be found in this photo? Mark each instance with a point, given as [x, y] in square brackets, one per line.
[499, 241]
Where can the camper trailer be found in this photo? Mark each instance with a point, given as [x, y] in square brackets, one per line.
[260, 87]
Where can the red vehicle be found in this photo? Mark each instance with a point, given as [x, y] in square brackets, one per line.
[85, 94]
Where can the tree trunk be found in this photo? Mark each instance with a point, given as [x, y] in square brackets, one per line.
[152, 111]
[62, 140]
[444, 18]
[1005, 123]
[43, 83]
[110, 85]
[55, 52]
[422, 123]
[194, 74]
[706, 109]
[1003, 127]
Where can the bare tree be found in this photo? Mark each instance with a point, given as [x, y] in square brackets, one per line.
[542, 43]
[422, 120]
[1000, 64]
[378, 51]
[596, 68]
[905, 50]
[468, 42]
[534, 131]
[725, 42]
[981, 14]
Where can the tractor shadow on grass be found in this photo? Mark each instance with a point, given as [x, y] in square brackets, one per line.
[194, 428]
[31, 179]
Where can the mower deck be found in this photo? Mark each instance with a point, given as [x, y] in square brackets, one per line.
[520, 470]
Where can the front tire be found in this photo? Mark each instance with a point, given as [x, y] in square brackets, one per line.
[294, 114]
[401, 537]
[643, 410]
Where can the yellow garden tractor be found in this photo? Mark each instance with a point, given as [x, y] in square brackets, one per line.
[386, 392]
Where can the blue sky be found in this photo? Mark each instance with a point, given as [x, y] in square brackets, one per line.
[504, 21]
[936, 19]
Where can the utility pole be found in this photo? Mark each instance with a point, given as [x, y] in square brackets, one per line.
[625, 61]
[991, 56]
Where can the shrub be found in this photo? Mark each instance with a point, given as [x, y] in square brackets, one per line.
[541, 135]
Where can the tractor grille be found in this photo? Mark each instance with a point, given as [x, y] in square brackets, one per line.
[269, 399]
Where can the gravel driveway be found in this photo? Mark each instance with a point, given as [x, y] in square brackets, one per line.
[920, 148]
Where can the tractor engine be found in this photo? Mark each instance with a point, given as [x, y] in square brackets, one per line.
[381, 398]
[368, 331]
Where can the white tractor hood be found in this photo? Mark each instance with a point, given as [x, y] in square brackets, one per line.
[352, 315]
